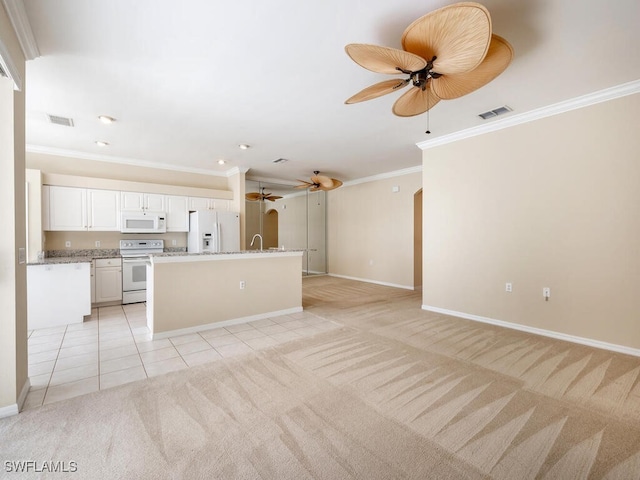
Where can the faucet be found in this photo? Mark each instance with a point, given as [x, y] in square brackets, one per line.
[254, 238]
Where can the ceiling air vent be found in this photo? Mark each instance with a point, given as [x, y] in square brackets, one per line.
[57, 120]
[495, 113]
[280, 160]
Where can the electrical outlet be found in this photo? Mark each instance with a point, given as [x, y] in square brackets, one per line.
[97, 243]
[508, 287]
[371, 262]
[174, 242]
[546, 293]
[67, 244]
[242, 284]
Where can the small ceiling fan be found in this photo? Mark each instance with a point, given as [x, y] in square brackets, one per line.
[446, 54]
[261, 196]
[319, 182]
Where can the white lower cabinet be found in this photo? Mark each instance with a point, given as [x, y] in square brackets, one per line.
[108, 280]
[57, 294]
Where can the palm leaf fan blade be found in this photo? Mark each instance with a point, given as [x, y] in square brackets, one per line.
[322, 181]
[457, 35]
[384, 59]
[415, 102]
[253, 196]
[377, 90]
[497, 60]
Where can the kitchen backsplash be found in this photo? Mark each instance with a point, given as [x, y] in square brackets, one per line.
[104, 240]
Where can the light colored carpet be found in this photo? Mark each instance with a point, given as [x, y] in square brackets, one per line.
[395, 393]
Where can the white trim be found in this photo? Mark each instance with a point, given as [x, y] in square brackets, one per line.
[20, 21]
[9, 410]
[15, 408]
[372, 178]
[539, 331]
[236, 171]
[384, 176]
[9, 67]
[607, 94]
[121, 160]
[367, 280]
[224, 323]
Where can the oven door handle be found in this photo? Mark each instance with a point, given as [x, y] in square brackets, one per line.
[137, 260]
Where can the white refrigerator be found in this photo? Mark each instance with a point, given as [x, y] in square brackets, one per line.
[213, 231]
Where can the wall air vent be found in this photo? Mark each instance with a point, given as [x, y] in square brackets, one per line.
[280, 160]
[57, 120]
[495, 113]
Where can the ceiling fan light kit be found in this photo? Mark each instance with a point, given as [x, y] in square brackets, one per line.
[446, 54]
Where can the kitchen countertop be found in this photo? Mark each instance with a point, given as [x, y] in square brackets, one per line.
[241, 252]
[64, 260]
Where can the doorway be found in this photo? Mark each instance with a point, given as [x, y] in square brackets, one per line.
[417, 240]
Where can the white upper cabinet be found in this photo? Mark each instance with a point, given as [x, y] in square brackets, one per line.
[177, 213]
[139, 202]
[80, 209]
[67, 208]
[103, 208]
[201, 203]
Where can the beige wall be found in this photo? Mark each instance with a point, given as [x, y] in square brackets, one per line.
[370, 230]
[13, 282]
[551, 203]
[189, 294]
[92, 168]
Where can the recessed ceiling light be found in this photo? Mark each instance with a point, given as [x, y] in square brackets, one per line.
[106, 119]
[101, 144]
[221, 162]
[244, 146]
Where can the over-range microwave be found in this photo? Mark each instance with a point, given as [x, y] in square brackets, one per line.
[143, 222]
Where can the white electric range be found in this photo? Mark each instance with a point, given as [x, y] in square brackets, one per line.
[135, 257]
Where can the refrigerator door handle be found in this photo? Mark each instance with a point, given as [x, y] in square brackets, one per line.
[219, 237]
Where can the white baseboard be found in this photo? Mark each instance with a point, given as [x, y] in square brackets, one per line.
[366, 280]
[224, 323]
[539, 331]
[15, 408]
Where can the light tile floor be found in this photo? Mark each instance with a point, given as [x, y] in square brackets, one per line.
[113, 347]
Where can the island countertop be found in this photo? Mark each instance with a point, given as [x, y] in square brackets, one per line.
[170, 257]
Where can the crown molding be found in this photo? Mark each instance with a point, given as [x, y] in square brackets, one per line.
[607, 94]
[20, 21]
[236, 171]
[384, 176]
[9, 67]
[121, 160]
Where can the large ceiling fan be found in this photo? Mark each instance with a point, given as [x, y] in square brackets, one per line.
[319, 182]
[261, 196]
[446, 54]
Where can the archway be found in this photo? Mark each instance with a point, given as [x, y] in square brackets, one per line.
[270, 229]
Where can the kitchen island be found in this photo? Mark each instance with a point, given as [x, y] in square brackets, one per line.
[191, 292]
